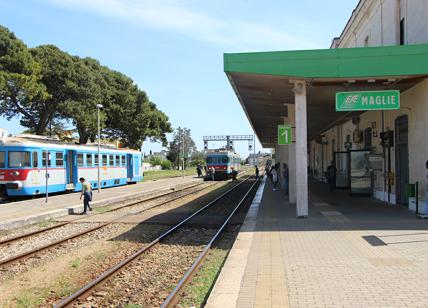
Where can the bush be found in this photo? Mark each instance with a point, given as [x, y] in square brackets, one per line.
[166, 165]
[155, 160]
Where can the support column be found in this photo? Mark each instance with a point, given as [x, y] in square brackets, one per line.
[301, 149]
[290, 120]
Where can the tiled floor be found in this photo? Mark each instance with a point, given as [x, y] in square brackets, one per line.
[324, 260]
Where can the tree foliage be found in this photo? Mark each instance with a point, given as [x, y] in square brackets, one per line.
[45, 86]
[182, 139]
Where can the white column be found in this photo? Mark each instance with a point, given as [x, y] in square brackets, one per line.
[290, 120]
[301, 149]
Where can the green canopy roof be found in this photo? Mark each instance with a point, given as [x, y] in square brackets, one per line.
[261, 81]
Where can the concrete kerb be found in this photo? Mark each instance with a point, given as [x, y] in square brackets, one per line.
[225, 292]
[77, 208]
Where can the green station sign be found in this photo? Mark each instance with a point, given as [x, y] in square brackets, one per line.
[368, 100]
[284, 134]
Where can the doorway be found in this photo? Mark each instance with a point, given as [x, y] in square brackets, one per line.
[401, 158]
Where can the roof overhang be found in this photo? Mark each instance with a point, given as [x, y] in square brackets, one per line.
[263, 84]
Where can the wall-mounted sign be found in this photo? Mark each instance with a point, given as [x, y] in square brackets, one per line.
[284, 135]
[368, 100]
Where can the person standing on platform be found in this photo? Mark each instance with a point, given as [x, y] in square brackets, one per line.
[212, 173]
[285, 176]
[234, 174]
[274, 176]
[199, 170]
[331, 176]
[257, 172]
[86, 194]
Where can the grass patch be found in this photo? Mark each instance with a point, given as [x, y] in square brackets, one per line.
[101, 256]
[102, 209]
[75, 263]
[133, 306]
[31, 298]
[64, 288]
[152, 175]
[45, 224]
[197, 291]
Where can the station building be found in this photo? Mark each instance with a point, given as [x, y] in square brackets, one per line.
[384, 46]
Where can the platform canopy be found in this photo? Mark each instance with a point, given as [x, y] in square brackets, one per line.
[263, 81]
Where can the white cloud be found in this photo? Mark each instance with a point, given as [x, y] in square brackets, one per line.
[170, 15]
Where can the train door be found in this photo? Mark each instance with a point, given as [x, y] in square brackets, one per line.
[401, 158]
[130, 167]
[71, 169]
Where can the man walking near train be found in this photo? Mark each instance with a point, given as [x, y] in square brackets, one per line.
[86, 194]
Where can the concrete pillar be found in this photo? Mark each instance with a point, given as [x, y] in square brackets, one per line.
[290, 120]
[301, 149]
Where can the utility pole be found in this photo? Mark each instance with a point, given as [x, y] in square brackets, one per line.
[184, 171]
[99, 106]
[47, 174]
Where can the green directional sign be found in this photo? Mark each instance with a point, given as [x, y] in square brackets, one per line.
[284, 134]
[368, 100]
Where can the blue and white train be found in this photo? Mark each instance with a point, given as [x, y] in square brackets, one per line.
[23, 166]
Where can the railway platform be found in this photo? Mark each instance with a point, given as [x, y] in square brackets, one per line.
[21, 213]
[349, 252]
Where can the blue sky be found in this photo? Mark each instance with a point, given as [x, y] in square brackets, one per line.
[173, 49]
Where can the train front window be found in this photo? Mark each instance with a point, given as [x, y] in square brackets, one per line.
[2, 159]
[111, 160]
[209, 160]
[225, 159]
[19, 159]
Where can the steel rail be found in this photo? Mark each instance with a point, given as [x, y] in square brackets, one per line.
[172, 298]
[55, 243]
[25, 235]
[84, 292]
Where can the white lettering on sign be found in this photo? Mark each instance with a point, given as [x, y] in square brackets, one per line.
[378, 100]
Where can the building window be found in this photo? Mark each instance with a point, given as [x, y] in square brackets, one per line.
[402, 29]
[79, 160]
[59, 159]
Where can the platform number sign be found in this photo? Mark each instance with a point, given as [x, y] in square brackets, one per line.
[284, 134]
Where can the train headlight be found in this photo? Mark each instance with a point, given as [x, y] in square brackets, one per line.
[14, 173]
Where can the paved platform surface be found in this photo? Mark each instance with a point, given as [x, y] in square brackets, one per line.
[350, 252]
[16, 214]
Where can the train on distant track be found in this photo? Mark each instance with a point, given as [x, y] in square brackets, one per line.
[23, 166]
[223, 161]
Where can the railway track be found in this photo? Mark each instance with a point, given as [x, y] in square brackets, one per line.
[87, 290]
[50, 245]
[127, 204]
